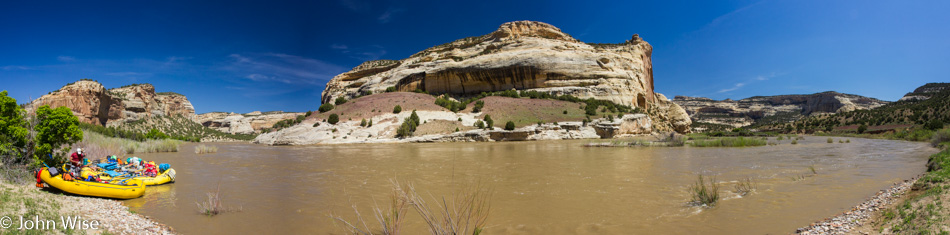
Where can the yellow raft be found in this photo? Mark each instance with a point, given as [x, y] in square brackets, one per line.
[132, 188]
[165, 177]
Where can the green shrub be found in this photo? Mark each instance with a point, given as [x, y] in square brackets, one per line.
[934, 124]
[510, 125]
[391, 89]
[397, 109]
[480, 124]
[862, 128]
[370, 124]
[333, 119]
[489, 122]
[363, 122]
[340, 100]
[939, 137]
[56, 131]
[704, 193]
[830, 140]
[478, 106]
[325, 108]
[155, 134]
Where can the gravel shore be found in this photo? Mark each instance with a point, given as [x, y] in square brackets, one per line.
[847, 222]
[111, 215]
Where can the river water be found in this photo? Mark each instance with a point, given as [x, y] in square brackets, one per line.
[539, 187]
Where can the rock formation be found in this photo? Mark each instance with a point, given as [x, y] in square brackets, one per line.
[248, 123]
[93, 104]
[771, 109]
[925, 92]
[522, 55]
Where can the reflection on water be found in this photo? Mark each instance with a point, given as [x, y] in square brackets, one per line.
[546, 187]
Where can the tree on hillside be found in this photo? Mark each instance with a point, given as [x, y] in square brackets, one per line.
[489, 123]
[862, 128]
[56, 130]
[13, 132]
[509, 126]
[340, 100]
[397, 109]
[325, 108]
[333, 119]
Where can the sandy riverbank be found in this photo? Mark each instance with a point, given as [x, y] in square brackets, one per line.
[100, 215]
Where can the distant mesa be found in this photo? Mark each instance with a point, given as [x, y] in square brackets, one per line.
[771, 109]
[525, 56]
[248, 123]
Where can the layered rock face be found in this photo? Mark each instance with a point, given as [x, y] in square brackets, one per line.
[248, 123]
[522, 55]
[774, 109]
[93, 104]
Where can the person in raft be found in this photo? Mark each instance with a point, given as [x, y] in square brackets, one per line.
[77, 157]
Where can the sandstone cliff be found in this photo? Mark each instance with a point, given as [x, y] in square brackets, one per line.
[522, 55]
[771, 109]
[248, 123]
[93, 104]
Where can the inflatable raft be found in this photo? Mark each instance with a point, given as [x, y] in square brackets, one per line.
[128, 189]
[165, 177]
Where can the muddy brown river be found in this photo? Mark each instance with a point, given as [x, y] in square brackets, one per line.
[541, 187]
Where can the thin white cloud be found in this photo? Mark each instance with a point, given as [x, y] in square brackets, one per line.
[765, 77]
[718, 20]
[354, 5]
[388, 15]
[283, 68]
[15, 67]
[63, 58]
[372, 52]
[736, 87]
[339, 46]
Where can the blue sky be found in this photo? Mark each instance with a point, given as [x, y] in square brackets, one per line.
[242, 56]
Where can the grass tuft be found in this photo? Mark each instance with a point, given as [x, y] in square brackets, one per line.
[202, 149]
[745, 186]
[466, 213]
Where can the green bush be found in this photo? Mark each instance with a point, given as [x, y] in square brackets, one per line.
[397, 109]
[510, 125]
[333, 119]
[340, 100]
[862, 128]
[391, 89]
[480, 124]
[934, 124]
[489, 122]
[155, 134]
[56, 131]
[13, 130]
[478, 106]
[408, 127]
[325, 108]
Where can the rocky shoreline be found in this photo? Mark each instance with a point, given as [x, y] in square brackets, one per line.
[859, 216]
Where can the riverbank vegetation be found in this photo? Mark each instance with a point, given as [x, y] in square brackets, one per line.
[926, 208]
[97, 145]
[729, 142]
